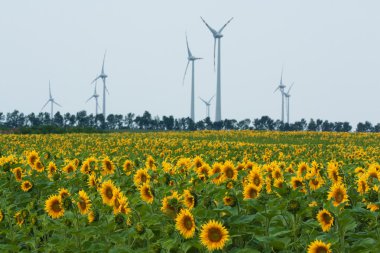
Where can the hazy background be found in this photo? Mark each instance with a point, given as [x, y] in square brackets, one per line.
[329, 48]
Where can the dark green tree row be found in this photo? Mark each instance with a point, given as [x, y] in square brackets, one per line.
[82, 122]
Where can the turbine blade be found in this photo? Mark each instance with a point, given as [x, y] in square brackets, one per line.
[211, 99]
[282, 71]
[96, 79]
[104, 58]
[49, 90]
[188, 48]
[89, 99]
[276, 89]
[107, 90]
[290, 88]
[204, 101]
[45, 105]
[213, 31]
[221, 29]
[57, 104]
[187, 66]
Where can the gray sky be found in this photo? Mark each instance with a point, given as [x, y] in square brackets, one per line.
[330, 49]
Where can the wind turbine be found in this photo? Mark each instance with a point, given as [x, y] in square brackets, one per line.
[207, 103]
[281, 87]
[95, 96]
[103, 76]
[192, 59]
[52, 101]
[217, 37]
[287, 97]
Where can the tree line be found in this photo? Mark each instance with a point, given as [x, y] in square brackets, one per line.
[18, 122]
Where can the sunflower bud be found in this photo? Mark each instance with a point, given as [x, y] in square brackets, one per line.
[67, 203]
[140, 228]
[293, 206]
[119, 219]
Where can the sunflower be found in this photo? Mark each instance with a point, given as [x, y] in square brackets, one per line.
[316, 183]
[229, 171]
[373, 173]
[18, 173]
[256, 178]
[277, 173]
[146, 193]
[141, 177]
[325, 219]
[86, 168]
[216, 173]
[188, 199]
[26, 185]
[124, 205]
[198, 162]
[373, 207]
[214, 235]
[279, 183]
[19, 218]
[171, 205]
[229, 200]
[108, 166]
[128, 167]
[92, 182]
[91, 216]
[362, 185]
[359, 171]
[32, 158]
[63, 193]
[53, 206]
[297, 183]
[150, 163]
[1, 216]
[185, 224]
[319, 247]
[69, 168]
[339, 193]
[107, 192]
[84, 202]
[52, 168]
[251, 191]
[203, 171]
[39, 166]
[333, 172]
[303, 168]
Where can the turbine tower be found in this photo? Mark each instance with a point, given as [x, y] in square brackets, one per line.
[192, 59]
[52, 102]
[217, 37]
[281, 87]
[95, 96]
[287, 97]
[103, 76]
[207, 103]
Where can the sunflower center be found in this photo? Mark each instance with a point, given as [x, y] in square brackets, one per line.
[82, 204]
[321, 250]
[252, 193]
[143, 178]
[256, 181]
[187, 222]
[229, 173]
[109, 193]
[326, 218]
[108, 165]
[298, 183]
[56, 207]
[339, 197]
[214, 235]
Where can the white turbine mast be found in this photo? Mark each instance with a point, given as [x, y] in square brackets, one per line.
[207, 103]
[281, 87]
[95, 96]
[52, 102]
[192, 59]
[103, 76]
[217, 38]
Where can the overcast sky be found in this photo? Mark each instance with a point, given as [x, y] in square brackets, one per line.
[329, 48]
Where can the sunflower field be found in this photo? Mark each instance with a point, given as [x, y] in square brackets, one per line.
[205, 191]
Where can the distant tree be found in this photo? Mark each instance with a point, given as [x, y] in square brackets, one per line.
[33, 121]
[58, 119]
[200, 125]
[111, 122]
[217, 125]
[327, 126]
[128, 120]
[312, 126]
[81, 118]
[244, 124]
[319, 123]
[100, 121]
[264, 123]
[229, 124]
[208, 123]
[347, 127]
[364, 127]
[168, 122]
[377, 128]
[15, 119]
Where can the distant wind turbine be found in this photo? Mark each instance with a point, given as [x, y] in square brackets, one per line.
[281, 87]
[103, 76]
[52, 101]
[287, 97]
[207, 103]
[192, 59]
[217, 37]
[95, 96]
